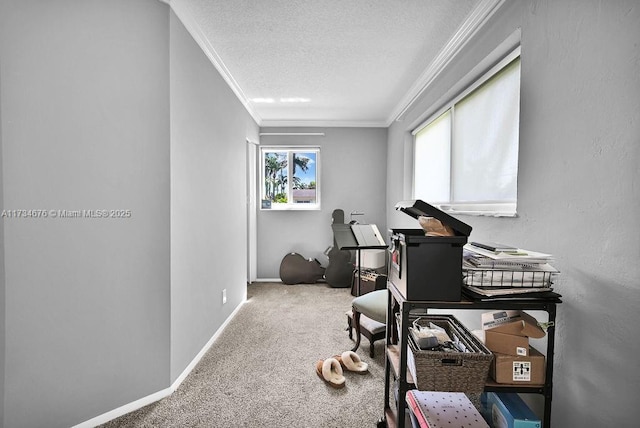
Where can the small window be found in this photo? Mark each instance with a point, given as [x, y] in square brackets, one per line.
[466, 156]
[290, 178]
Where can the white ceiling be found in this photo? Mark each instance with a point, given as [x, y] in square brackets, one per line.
[330, 62]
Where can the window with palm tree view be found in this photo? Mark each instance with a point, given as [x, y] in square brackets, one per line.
[290, 178]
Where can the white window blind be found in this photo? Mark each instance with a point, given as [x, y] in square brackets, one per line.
[486, 140]
[466, 158]
[433, 160]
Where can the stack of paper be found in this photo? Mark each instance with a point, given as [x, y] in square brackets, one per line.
[499, 270]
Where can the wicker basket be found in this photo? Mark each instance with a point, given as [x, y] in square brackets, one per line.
[449, 371]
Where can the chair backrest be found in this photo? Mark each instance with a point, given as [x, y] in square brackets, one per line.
[372, 305]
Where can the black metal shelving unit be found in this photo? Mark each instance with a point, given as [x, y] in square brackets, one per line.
[396, 355]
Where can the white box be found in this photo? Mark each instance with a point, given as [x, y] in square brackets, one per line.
[372, 259]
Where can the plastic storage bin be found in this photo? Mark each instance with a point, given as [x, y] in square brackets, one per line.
[427, 267]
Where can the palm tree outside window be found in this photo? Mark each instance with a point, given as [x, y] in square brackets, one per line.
[290, 177]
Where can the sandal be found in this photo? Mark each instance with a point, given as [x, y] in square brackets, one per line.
[330, 371]
[351, 361]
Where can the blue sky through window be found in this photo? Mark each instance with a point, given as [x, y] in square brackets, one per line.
[310, 174]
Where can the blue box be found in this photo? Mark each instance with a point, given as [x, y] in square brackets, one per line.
[505, 410]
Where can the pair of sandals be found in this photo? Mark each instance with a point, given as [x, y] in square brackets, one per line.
[331, 369]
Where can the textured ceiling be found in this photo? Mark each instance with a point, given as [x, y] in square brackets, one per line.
[324, 62]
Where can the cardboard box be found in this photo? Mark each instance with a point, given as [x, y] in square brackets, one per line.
[509, 344]
[516, 323]
[507, 410]
[516, 370]
[508, 332]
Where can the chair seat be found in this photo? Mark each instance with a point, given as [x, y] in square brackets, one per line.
[372, 305]
[369, 316]
[368, 324]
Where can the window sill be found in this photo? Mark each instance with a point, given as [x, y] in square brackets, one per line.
[292, 208]
[481, 209]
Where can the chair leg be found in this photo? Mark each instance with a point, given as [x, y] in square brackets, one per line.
[350, 327]
[356, 322]
[371, 350]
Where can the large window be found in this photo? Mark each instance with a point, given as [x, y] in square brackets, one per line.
[290, 178]
[466, 155]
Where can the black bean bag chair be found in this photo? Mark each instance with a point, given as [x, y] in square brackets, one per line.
[295, 269]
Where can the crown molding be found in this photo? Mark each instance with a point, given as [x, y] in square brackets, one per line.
[474, 22]
[198, 35]
[322, 124]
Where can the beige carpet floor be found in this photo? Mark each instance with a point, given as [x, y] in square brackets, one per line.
[260, 372]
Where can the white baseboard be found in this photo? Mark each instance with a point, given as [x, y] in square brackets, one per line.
[157, 396]
[204, 350]
[267, 280]
[123, 410]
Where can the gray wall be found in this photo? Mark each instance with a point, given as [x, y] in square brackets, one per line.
[111, 105]
[209, 128]
[2, 276]
[353, 171]
[577, 188]
[85, 126]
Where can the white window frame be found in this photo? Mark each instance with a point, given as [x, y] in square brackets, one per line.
[289, 205]
[487, 208]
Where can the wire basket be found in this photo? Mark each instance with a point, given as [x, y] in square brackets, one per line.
[507, 278]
